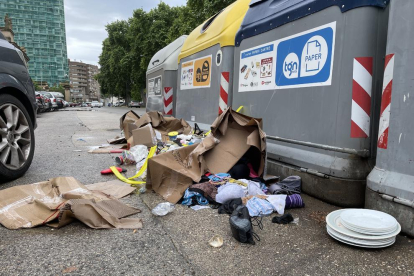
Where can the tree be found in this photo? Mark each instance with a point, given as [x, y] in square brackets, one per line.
[131, 44]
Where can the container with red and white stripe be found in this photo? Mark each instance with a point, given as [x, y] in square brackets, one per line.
[224, 91]
[386, 102]
[361, 97]
[168, 100]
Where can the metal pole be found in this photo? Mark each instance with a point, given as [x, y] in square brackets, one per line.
[361, 153]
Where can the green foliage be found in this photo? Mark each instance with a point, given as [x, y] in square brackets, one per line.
[131, 44]
[57, 89]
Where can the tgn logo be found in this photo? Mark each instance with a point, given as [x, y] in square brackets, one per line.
[290, 66]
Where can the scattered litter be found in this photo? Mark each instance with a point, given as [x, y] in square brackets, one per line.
[163, 208]
[109, 171]
[77, 150]
[284, 219]
[142, 190]
[115, 188]
[199, 207]
[216, 241]
[82, 140]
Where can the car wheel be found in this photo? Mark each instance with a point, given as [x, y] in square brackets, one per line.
[17, 140]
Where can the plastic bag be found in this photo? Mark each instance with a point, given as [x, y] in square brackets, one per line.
[163, 208]
[139, 152]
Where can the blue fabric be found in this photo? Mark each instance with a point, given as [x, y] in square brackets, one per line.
[259, 207]
[218, 177]
[188, 198]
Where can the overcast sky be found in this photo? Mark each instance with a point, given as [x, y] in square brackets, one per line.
[86, 20]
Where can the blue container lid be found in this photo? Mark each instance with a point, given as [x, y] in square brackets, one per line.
[265, 15]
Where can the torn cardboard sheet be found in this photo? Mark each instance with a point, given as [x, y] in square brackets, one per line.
[108, 149]
[36, 204]
[99, 215]
[116, 141]
[128, 123]
[144, 136]
[171, 173]
[115, 188]
[160, 123]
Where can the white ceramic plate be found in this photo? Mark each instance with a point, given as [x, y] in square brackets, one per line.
[366, 232]
[360, 241]
[334, 221]
[370, 220]
[358, 245]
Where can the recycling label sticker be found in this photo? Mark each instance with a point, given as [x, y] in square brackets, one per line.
[301, 60]
[306, 59]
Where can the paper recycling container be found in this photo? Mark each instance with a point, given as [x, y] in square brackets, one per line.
[313, 69]
[390, 185]
[206, 66]
[162, 78]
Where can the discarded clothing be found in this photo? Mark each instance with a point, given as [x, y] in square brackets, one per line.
[278, 202]
[240, 182]
[189, 196]
[259, 207]
[229, 191]
[240, 171]
[294, 201]
[229, 206]
[285, 219]
[252, 173]
[290, 185]
[219, 179]
[247, 198]
[254, 188]
[206, 189]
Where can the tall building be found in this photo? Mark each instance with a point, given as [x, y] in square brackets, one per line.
[84, 87]
[39, 26]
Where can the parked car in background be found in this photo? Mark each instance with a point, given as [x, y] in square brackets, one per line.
[65, 103]
[59, 98]
[84, 105]
[40, 102]
[134, 104]
[53, 100]
[18, 110]
[89, 104]
[101, 104]
[116, 104]
[95, 104]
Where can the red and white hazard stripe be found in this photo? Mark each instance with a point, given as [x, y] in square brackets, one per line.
[386, 102]
[361, 97]
[168, 100]
[224, 91]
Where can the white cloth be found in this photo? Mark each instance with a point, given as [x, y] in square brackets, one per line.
[278, 202]
[229, 191]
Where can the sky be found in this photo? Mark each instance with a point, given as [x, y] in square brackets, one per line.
[86, 20]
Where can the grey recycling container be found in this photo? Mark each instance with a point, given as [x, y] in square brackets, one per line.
[312, 69]
[390, 185]
[205, 71]
[162, 78]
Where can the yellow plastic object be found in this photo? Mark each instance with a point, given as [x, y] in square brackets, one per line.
[140, 172]
[240, 108]
[221, 31]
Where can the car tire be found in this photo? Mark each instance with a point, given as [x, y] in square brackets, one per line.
[7, 170]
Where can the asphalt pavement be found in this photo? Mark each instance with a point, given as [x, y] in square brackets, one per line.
[176, 244]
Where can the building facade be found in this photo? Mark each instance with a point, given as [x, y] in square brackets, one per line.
[8, 33]
[39, 26]
[84, 87]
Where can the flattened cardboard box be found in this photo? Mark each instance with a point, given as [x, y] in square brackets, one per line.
[144, 136]
[127, 123]
[171, 173]
[164, 124]
[28, 206]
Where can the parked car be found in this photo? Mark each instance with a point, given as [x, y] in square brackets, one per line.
[47, 102]
[95, 104]
[65, 103]
[89, 104]
[53, 100]
[40, 102]
[134, 104]
[101, 104]
[18, 110]
[59, 97]
[84, 105]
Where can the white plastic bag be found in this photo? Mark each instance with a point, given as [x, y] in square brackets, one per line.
[139, 152]
[163, 208]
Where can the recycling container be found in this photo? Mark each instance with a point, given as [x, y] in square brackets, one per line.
[162, 78]
[312, 69]
[206, 66]
[390, 185]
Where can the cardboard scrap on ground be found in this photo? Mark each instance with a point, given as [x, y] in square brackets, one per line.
[127, 123]
[233, 135]
[37, 204]
[144, 136]
[115, 188]
[164, 125]
[109, 149]
[116, 141]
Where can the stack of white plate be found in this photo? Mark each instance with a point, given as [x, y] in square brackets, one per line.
[363, 227]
